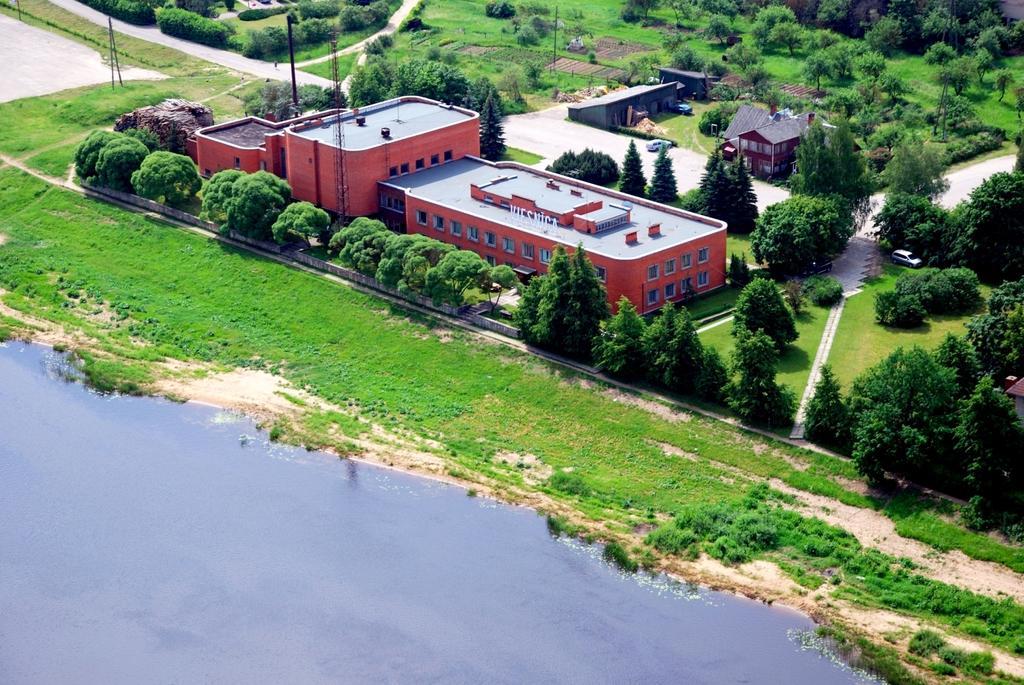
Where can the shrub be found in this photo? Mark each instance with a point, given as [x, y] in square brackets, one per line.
[313, 31]
[979, 663]
[117, 161]
[500, 9]
[942, 668]
[570, 483]
[589, 166]
[672, 539]
[167, 177]
[260, 13]
[718, 116]
[942, 291]
[132, 12]
[191, 26]
[88, 152]
[902, 310]
[267, 42]
[926, 642]
[962, 149]
[318, 9]
[824, 291]
[953, 656]
[614, 553]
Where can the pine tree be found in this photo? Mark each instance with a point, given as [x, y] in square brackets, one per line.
[743, 209]
[663, 182]
[618, 350]
[760, 308]
[492, 132]
[672, 351]
[713, 378]
[990, 439]
[632, 180]
[588, 306]
[549, 328]
[716, 188]
[756, 396]
[828, 419]
[739, 270]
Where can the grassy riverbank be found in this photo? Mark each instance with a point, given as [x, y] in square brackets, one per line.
[131, 292]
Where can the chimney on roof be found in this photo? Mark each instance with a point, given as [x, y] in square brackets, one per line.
[774, 108]
[631, 238]
[360, 121]
[1010, 382]
[654, 230]
[385, 132]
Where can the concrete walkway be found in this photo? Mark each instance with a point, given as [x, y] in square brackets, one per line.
[824, 347]
[224, 58]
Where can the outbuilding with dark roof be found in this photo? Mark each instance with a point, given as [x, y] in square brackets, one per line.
[625, 107]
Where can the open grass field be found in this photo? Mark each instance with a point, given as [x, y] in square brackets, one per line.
[345, 65]
[861, 342]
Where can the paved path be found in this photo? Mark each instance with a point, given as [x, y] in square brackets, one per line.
[37, 62]
[824, 347]
[225, 58]
[394, 22]
[549, 133]
[965, 180]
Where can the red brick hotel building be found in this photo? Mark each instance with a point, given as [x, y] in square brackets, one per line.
[413, 163]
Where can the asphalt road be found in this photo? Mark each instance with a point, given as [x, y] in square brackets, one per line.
[550, 134]
[222, 57]
[37, 62]
[963, 181]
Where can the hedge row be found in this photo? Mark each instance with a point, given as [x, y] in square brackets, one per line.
[260, 13]
[190, 26]
[125, 10]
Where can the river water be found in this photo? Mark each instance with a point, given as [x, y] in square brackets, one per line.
[143, 541]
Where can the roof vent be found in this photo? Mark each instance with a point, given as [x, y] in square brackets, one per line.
[552, 185]
[631, 238]
[385, 132]
[360, 121]
[654, 230]
[573, 191]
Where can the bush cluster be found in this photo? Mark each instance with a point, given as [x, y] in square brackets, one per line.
[962, 149]
[132, 12]
[928, 291]
[191, 26]
[318, 9]
[500, 9]
[261, 13]
[824, 291]
[589, 165]
[359, 17]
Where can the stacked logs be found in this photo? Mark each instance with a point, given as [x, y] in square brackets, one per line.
[172, 121]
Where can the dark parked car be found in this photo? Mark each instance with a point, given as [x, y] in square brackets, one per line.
[683, 108]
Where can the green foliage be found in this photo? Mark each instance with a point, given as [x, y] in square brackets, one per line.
[117, 161]
[500, 9]
[755, 396]
[916, 169]
[379, 79]
[716, 119]
[902, 310]
[926, 642]
[589, 166]
[989, 439]
[760, 308]
[147, 138]
[303, 220]
[406, 258]
[663, 181]
[998, 335]
[167, 177]
[264, 12]
[992, 228]
[254, 203]
[139, 13]
[941, 291]
[672, 351]
[739, 270]
[191, 26]
[266, 43]
[217, 193]
[457, 272]
[791, 234]
[570, 483]
[827, 418]
[824, 291]
[361, 244]
[632, 180]
[727, 193]
[618, 350]
[87, 154]
[318, 9]
[956, 354]
[616, 554]
[492, 132]
[828, 163]
[713, 377]
[916, 223]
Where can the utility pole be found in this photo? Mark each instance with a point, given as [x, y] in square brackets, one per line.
[113, 45]
[291, 59]
[110, 50]
[17, 5]
[554, 42]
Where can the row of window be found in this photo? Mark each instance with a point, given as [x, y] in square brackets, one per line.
[654, 295]
[527, 250]
[763, 148]
[420, 163]
[654, 271]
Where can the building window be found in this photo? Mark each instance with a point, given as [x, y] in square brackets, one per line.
[456, 228]
[263, 165]
[508, 245]
[602, 273]
[670, 290]
[670, 267]
[238, 163]
[393, 171]
[384, 200]
[652, 272]
[434, 160]
[473, 233]
[685, 261]
[439, 222]
[447, 155]
[489, 239]
[527, 251]
[702, 279]
[652, 296]
[545, 256]
[490, 260]
[702, 255]
[419, 163]
[686, 285]
[421, 217]
[405, 167]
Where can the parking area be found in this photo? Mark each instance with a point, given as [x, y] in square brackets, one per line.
[37, 62]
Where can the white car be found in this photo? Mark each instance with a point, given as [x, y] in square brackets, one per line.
[657, 145]
[906, 258]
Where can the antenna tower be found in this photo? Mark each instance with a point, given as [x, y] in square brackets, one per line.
[340, 180]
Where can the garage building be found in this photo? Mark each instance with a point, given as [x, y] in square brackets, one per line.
[625, 107]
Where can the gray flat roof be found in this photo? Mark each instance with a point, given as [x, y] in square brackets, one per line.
[449, 185]
[619, 95]
[404, 117]
[247, 133]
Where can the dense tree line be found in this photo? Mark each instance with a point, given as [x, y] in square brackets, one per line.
[588, 165]
[726, 192]
[195, 27]
[274, 99]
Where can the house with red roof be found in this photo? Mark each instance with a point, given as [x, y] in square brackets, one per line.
[1015, 389]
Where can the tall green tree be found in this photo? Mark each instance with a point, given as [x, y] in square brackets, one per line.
[361, 244]
[88, 152]
[216, 194]
[827, 419]
[618, 349]
[755, 395]
[255, 202]
[916, 169]
[998, 335]
[632, 180]
[492, 131]
[957, 355]
[663, 182]
[742, 211]
[991, 226]
[672, 351]
[760, 308]
[117, 161]
[715, 187]
[589, 305]
[989, 439]
[713, 378]
[457, 272]
[828, 163]
[302, 220]
[791, 234]
[167, 177]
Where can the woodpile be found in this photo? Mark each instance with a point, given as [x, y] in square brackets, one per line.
[647, 126]
[172, 121]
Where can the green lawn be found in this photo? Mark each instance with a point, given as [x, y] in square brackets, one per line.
[860, 342]
[682, 129]
[514, 154]
[345, 65]
[795, 363]
[713, 303]
[739, 244]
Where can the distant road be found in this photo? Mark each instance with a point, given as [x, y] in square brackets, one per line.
[963, 181]
[225, 58]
